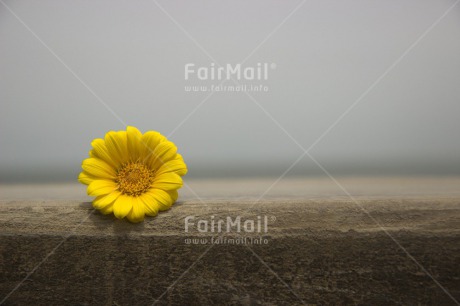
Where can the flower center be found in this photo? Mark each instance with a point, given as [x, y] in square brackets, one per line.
[134, 178]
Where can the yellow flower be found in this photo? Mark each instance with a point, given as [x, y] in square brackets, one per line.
[133, 174]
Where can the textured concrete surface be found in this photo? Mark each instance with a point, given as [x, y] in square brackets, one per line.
[397, 245]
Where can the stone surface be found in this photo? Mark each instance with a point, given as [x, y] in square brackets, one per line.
[397, 244]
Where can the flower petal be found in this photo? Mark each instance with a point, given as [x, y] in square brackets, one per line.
[98, 168]
[137, 213]
[163, 153]
[134, 138]
[107, 210]
[100, 151]
[151, 206]
[176, 165]
[117, 146]
[85, 178]
[122, 206]
[174, 195]
[167, 181]
[101, 187]
[163, 198]
[150, 141]
[102, 201]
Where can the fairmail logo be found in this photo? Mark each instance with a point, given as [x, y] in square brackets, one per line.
[259, 224]
[237, 72]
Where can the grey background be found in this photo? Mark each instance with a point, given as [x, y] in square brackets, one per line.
[327, 54]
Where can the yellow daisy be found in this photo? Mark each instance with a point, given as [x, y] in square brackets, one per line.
[133, 174]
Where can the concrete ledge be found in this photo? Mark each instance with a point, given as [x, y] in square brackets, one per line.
[319, 252]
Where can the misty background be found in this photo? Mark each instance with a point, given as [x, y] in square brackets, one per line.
[327, 54]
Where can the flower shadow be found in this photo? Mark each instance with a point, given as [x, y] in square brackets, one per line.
[109, 224]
